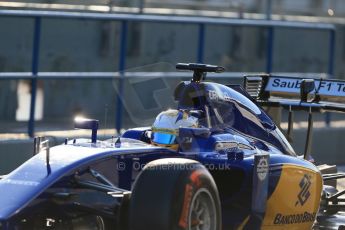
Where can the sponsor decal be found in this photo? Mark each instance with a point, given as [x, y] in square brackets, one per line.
[304, 194]
[262, 168]
[195, 178]
[20, 182]
[291, 85]
[286, 83]
[188, 195]
[214, 96]
[225, 147]
[183, 222]
[305, 217]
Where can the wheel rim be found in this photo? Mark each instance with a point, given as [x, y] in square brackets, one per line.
[89, 222]
[100, 223]
[202, 214]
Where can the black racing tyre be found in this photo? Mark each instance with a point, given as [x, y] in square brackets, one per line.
[175, 194]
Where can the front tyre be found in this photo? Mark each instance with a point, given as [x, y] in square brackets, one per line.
[175, 194]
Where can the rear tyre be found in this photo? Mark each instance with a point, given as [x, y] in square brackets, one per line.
[175, 194]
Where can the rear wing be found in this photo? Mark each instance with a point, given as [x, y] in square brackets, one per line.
[317, 95]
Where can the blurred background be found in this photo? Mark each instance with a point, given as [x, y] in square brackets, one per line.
[114, 60]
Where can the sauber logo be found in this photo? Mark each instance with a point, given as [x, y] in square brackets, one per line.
[304, 194]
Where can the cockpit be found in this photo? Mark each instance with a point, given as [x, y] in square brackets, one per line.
[221, 108]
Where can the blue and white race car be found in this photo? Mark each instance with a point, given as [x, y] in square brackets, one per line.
[236, 170]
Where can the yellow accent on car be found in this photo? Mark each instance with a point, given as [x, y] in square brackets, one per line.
[295, 201]
[243, 224]
[173, 146]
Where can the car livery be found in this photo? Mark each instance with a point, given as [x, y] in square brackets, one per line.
[236, 171]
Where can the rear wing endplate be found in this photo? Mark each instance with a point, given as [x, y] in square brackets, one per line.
[315, 94]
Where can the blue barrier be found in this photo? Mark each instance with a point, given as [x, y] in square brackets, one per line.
[122, 67]
[124, 19]
[34, 68]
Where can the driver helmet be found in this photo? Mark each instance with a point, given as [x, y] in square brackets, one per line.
[166, 127]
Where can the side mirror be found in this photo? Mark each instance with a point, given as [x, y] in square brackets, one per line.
[307, 86]
[83, 123]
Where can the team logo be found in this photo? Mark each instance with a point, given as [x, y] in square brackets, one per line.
[262, 168]
[304, 194]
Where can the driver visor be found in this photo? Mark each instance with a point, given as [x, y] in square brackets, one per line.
[164, 138]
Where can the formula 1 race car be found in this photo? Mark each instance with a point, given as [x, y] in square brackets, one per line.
[236, 171]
